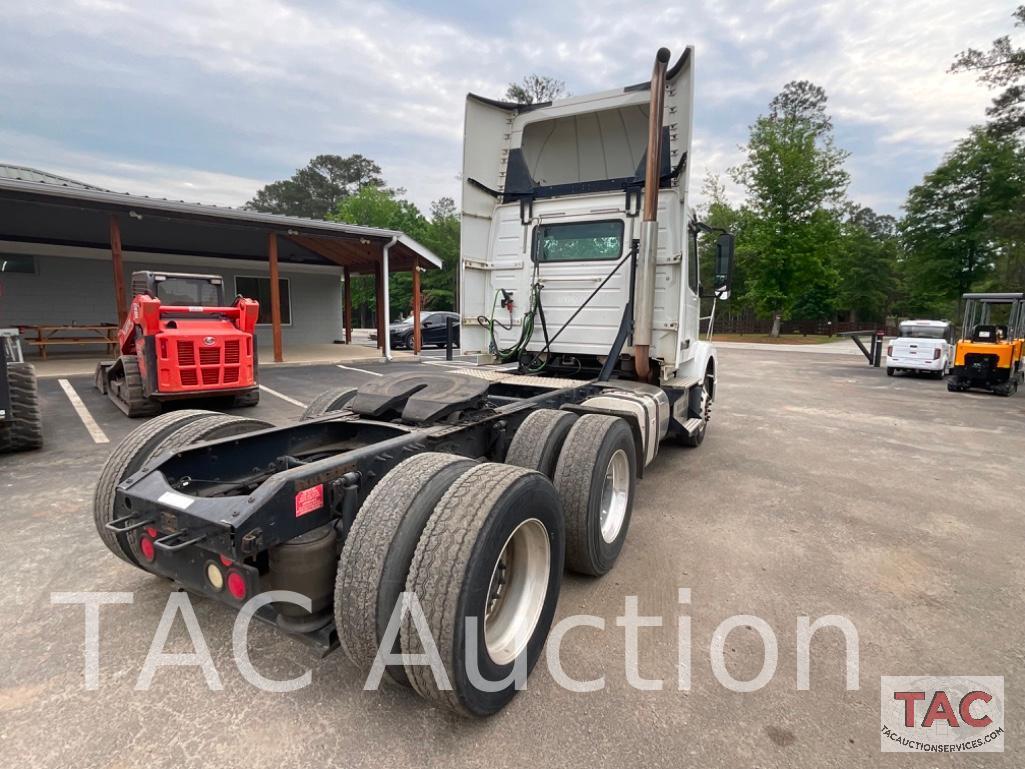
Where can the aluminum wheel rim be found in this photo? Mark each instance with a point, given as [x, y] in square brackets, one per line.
[516, 593]
[615, 493]
[706, 403]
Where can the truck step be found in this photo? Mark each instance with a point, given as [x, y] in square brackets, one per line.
[692, 425]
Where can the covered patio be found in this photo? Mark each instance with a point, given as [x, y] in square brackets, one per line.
[46, 217]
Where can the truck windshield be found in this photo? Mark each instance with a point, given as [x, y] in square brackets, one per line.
[188, 292]
[924, 332]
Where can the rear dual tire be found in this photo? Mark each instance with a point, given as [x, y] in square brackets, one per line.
[379, 549]
[477, 545]
[498, 528]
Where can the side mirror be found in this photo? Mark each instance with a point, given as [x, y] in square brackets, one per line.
[725, 245]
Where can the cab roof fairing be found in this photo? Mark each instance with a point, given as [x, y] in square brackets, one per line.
[573, 145]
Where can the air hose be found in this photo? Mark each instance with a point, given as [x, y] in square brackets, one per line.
[526, 329]
[538, 361]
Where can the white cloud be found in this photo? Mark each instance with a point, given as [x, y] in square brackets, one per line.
[142, 95]
[152, 179]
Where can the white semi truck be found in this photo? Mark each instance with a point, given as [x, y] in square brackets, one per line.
[557, 199]
[449, 502]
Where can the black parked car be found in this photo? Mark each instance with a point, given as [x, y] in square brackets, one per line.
[432, 330]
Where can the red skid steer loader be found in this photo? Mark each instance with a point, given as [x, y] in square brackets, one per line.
[179, 341]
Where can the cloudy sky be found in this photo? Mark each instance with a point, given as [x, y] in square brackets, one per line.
[207, 100]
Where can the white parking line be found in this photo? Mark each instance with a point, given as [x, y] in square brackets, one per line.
[283, 397]
[95, 432]
[362, 370]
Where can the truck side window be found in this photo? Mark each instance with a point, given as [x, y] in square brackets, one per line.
[578, 241]
[692, 269]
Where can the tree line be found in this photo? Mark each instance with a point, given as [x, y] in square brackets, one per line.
[351, 189]
[805, 250]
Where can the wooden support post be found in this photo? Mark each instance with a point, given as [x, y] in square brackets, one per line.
[275, 295]
[347, 304]
[379, 292]
[417, 340]
[119, 270]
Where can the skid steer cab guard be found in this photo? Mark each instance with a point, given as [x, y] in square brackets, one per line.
[989, 354]
[181, 341]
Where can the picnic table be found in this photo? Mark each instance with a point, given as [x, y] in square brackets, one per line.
[71, 334]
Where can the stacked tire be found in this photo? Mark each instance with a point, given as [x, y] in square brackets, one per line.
[24, 432]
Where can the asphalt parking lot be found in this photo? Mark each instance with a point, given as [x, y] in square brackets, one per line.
[823, 487]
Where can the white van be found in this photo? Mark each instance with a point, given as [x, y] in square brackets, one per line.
[923, 345]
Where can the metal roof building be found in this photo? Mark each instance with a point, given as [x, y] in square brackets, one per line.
[55, 231]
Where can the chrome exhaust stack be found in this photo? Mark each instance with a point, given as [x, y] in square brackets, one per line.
[644, 290]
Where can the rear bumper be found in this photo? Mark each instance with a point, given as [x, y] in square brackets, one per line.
[190, 566]
[926, 364]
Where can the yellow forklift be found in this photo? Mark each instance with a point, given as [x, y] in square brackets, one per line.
[989, 353]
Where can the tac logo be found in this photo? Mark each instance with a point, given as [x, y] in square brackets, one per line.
[941, 714]
[209, 341]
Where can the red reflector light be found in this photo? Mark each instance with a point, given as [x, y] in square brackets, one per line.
[236, 585]
[151, 531]
[148, 551]
[889, 351]
[225, 561]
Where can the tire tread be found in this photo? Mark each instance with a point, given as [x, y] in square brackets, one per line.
[328, 401]
[439, 567]
[368, 546]
[25, 431]
[539, 439]
[126, 457]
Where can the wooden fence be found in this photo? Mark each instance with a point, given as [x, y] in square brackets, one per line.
[763, 326]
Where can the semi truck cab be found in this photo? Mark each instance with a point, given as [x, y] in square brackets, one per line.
[569, 258]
